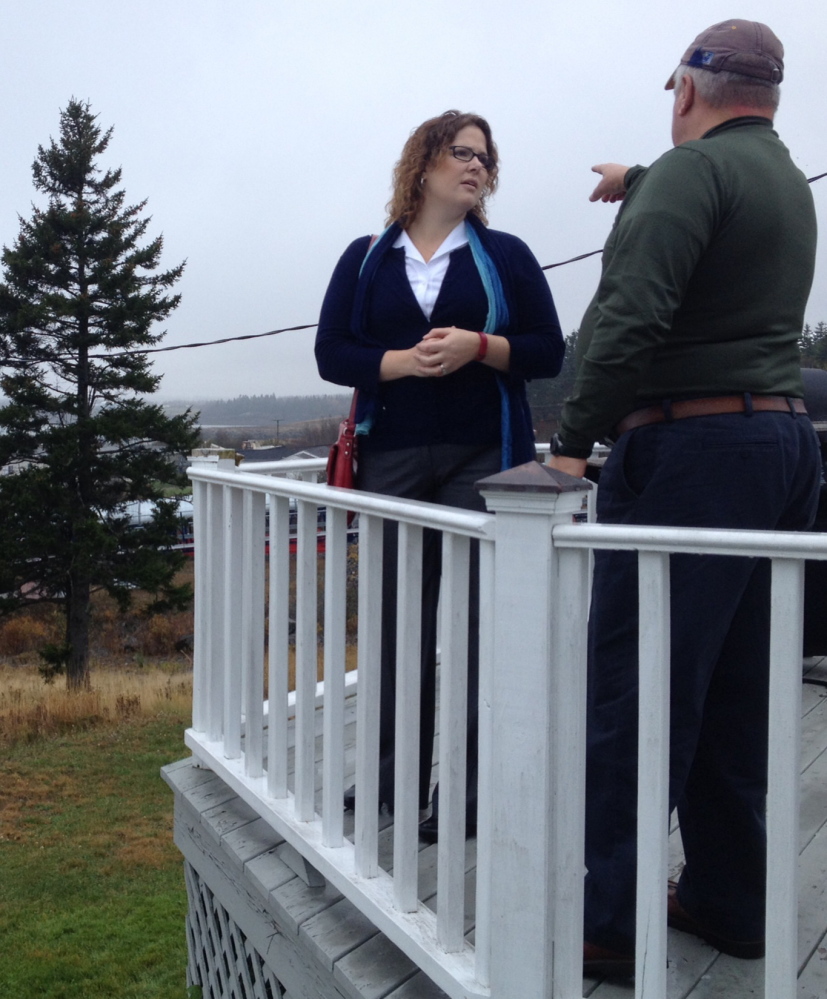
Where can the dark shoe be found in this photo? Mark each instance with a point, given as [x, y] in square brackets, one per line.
[600, 962]
[429, 829]
[679, 919]
[350, 801]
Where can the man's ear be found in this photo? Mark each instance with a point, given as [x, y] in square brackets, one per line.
[685, 98]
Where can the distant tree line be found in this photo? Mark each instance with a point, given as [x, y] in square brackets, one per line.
[265, 410]
[813, 346]
[547, 395]
[309, 433]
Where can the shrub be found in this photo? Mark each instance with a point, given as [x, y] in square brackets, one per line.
[30, 629]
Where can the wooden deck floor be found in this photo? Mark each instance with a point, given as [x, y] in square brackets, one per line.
[363, 964]
[698, 971]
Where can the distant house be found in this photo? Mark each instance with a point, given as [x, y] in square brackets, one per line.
[14, 467]
[280, 452]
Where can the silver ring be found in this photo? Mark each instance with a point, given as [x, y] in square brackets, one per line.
[442, 368]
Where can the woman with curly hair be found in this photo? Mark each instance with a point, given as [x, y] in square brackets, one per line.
[438, 323]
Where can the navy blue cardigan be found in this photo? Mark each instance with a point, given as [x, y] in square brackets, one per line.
[464, 406]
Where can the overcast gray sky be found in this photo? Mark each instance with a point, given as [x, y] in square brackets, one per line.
[263, 133]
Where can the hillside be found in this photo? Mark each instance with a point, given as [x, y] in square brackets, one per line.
[265, 410]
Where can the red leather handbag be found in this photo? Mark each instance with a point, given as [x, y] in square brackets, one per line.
[341, 462]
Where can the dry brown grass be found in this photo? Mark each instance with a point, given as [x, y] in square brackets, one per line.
[134, 668]
[112, 633]
[29, 708]
[135, 665]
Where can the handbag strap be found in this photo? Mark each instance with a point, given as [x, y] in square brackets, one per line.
[351, 420]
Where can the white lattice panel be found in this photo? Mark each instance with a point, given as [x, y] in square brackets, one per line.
[222, 962]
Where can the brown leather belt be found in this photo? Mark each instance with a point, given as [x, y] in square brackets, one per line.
[717, 405]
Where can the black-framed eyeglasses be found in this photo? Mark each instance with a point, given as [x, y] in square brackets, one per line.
[466, 154]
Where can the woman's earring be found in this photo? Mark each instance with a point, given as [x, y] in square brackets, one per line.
[422, 180]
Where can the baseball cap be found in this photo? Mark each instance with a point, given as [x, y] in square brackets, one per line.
[746, 47]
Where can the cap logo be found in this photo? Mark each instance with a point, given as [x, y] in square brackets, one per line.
[700, 58]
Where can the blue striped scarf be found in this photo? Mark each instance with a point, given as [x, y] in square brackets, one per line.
[497, 319]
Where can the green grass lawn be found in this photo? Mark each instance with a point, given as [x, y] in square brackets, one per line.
[92, 897]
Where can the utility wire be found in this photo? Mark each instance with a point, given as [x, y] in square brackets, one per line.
[286, 329]
[206, 343]
[309, 326]
[571, 260]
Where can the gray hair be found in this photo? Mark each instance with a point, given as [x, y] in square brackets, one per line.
[725, 89]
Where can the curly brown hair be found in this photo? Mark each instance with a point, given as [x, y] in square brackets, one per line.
[426, 145]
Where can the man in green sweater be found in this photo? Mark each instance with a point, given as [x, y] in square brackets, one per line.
[688, 359]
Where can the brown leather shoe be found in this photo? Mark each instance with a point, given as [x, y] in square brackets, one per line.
[679, 919]
[600, 962]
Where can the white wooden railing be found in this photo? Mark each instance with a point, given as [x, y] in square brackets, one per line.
[534, 596]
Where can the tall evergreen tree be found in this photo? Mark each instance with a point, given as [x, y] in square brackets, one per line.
[81, 293]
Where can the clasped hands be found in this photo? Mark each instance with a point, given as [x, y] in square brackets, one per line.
[443, 350]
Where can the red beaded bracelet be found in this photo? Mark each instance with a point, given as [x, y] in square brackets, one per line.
[483, 346]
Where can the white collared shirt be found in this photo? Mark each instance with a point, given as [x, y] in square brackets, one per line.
[426, 278]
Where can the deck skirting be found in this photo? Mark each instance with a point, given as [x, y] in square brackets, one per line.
[255, 930]
[221, 960]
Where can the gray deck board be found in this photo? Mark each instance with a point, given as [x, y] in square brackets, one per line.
[361, 963]
[268, 872]
[337, 931]
[418, 987]
[250, 840]
[230, 815]
[373, 970]
[295, 902]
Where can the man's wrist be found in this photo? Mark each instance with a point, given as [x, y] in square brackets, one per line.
[558, 447]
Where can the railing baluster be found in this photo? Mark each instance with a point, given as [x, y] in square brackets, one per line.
[567, 735]
[278, 645]
[335, 599]
[201, 625]
[233, 666]
[408, 683]
[453, 714]
[484, 902]
[786, 640]
[653, 775]
[252, 617]
[215, 570]
[307, 657]
[366, 834]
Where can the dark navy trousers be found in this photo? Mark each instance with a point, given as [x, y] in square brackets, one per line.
[737, 471]
[440, 473]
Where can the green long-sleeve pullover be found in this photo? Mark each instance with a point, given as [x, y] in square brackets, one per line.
[705, 278]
